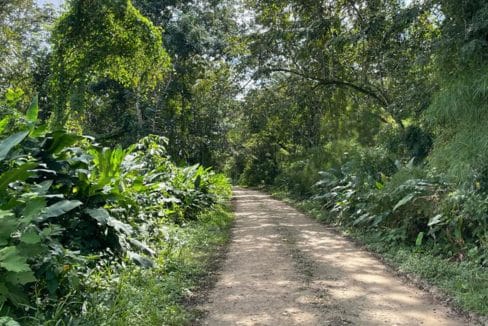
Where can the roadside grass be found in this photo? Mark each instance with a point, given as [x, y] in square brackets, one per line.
[160, 295]
[464, 283]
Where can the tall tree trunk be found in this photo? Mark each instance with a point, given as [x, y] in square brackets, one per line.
[140, 119]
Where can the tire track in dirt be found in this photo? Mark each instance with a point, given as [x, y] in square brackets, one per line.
[283, 268]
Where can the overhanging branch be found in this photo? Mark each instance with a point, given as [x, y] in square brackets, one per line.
[335, 82]
[382, 100]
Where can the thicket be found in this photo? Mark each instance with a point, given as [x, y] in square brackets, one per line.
[378, 121]
[99, 229]
[75, 216]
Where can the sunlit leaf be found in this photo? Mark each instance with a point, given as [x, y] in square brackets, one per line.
[33, 111]
[12, 261]
[420, 238]
[404, 201]
[5, 320]
[3, 123]
[435, 220]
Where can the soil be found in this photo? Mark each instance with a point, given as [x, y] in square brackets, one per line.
[283, 268]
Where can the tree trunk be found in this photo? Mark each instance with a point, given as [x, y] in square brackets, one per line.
[140, 119]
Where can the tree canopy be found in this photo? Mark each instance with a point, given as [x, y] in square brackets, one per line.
[100, 41]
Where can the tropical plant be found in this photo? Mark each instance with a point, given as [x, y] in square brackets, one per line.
[67, 205]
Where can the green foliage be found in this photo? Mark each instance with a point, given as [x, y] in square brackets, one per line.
[377, 64]
[262, 167]
[23, 34]
[104, 40]
[458, 111]
[411, 142]
[457, 116]
[183, 259]
[299, 176]
[68, 205]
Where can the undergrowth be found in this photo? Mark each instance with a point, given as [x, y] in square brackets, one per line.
[159, 296]
[91, 235]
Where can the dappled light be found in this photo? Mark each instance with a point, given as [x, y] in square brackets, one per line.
[283, 268]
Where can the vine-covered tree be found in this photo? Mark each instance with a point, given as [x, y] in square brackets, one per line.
[108, 52]
[192, 109]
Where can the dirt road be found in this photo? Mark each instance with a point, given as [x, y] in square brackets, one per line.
[283, 268]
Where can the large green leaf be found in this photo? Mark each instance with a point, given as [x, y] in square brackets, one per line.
[30, 237]
[140, 260]
[33, 209]
[39, 131]
[60, 208]
[17, 295]
[10, 142]
[7, 321]
[33, 111]
[108, 162]
[120, 226]
[21, 278]
[100, 215]
[43, 187]
[61, 140]
[20, 173]
[12, 261]
[8, 224]
[404, 201]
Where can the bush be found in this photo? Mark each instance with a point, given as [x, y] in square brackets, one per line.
[69, 207]
[409, 207]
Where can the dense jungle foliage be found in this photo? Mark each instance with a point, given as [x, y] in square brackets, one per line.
[71, 208]
[374, 109]
[91, 201]
[114, 115]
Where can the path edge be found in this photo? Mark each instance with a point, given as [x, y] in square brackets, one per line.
[437, 295]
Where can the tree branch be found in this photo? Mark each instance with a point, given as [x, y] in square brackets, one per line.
[378, 96]
[334, 82]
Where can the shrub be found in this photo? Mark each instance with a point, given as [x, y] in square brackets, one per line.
[68, 206]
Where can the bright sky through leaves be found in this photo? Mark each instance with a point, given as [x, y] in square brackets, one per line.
[56, 3]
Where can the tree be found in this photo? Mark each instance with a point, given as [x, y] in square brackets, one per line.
[22, 35]
[379, 50]
[192, 109]
[334, 75]
[97, 43]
